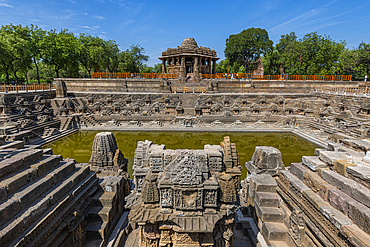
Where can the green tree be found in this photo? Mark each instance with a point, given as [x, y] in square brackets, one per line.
[16, 42]
[61, 52]
[133, 59]
[272, 63]
[246, 47]
[157, 68]
[37, 36]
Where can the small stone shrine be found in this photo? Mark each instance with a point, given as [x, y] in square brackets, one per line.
[189, 60]
[185, 197]
[105, 154]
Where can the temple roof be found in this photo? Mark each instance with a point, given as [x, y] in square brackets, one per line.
[190, 47]
[189, 43]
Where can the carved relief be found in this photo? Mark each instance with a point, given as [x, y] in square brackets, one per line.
[297, 226]
[150, 193]
[166, 197]
[228, 188]
[210, 198]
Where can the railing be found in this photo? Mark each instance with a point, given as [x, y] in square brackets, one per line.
[25, 87]
[132, 75]
[189, 89]
[225, 76]
[343, 90]
[278, 77]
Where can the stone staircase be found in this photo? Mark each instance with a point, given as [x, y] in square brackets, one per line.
[334, 188]
[42, 198]
[89, 120]
[65, 123]
[268, 214]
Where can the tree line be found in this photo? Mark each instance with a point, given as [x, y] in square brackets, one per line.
[31, 54]
[313, 54]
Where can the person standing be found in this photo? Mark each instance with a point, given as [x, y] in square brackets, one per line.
[365, 77]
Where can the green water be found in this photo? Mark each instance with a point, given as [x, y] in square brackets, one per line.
[78, 146]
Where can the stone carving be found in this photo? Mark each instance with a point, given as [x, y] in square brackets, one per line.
[297, 226]
[150, 193]
[188, 169]
[180, 193]
[105, 152]
[61, 89]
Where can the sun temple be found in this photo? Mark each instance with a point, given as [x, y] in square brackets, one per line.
[189, 60]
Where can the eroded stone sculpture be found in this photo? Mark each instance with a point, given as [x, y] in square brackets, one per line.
[105, 154]
[185, 197]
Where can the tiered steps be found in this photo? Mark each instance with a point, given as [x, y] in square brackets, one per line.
[38, 193]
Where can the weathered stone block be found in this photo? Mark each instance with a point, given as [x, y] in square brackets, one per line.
[336, 218]
[340, 200]
[9, 165]
[266, 199]
[324, 190]
[8, 209]
[318, 150]
[31, 192]
[361, 172]
[19, 180]
[29, 156]
[350, 187]
[357, 144]
[13, 229]
[313, 162]
[269, 214]
[294, 181]
[274, 231]
[340, 166]
[62, 172]
[60, 191]
[3, 193]
[267, 158]
[329, 157]
[360, 215]
[298, 170]
[47, 164]
[314, 199]
[263, 183]
[356, 236]
[313, 181]
[35, 211]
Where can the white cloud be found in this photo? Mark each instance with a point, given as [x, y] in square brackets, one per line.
[99, 17]
[5, 5]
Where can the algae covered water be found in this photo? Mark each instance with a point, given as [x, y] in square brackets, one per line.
[79, 146]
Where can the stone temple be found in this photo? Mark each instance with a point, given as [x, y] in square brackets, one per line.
[186, 197]
[189, 60]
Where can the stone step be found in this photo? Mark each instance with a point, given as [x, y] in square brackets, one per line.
[96, 230]
[272, 231]
[60, 173]
[269, 214]
[46, 202]
[278, 244]
[99, 214]
[348, 186]
[266, 199]
[103, 199]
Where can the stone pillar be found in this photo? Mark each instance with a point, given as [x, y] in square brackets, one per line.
[60, 89]
[182, 68]
[163, 65]
[214, 67]
[196, 69]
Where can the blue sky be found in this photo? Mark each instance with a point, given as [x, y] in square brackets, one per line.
[157, 25]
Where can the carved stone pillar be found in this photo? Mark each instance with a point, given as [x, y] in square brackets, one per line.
[182, 68]
[196, 68]
[163, 65]
[214, 67]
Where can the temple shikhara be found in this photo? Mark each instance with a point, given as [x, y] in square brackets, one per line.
[189, 60]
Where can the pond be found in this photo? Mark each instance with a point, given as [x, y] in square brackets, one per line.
[79, 146]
